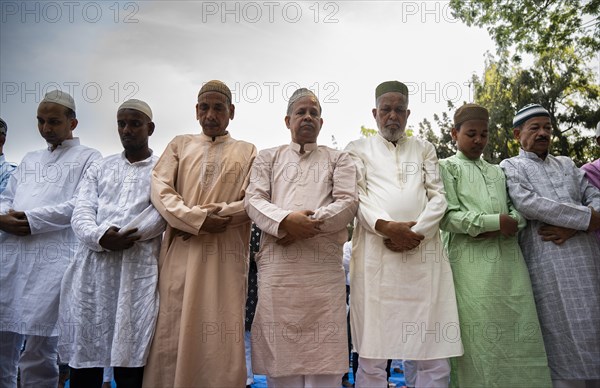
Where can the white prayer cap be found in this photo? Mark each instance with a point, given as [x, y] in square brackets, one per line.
[138, 105]
[60, 97]
[598, 129]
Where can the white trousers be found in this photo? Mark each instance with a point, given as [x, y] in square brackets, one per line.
[248, 345]
[410, 372]
[430, 373]
[38, 362]
[305, 381]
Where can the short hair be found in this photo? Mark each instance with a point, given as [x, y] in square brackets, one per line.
[70, 113]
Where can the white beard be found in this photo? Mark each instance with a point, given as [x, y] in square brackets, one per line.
[390, 134]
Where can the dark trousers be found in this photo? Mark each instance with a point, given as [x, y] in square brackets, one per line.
[92, 377]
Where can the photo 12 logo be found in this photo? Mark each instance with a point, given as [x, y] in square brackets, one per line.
[269, 11]
[69, 11]
[91, 92]
[272, 91]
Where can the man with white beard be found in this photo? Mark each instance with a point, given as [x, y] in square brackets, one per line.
[403, 304]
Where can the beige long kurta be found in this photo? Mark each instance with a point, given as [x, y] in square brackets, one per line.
[403, 305]
[199, 339]
[300, 323]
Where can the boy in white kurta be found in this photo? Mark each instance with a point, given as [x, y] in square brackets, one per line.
[403, 304]
[109, 298]
[302, 196]
[37, 243]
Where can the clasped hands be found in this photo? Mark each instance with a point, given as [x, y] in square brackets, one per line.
[400, 236]
[299, 225]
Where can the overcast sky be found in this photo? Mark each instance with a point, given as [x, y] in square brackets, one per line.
[105, 52]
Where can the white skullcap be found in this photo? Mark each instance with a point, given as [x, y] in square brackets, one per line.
[598, 129]
[138, 105]
[61, 98]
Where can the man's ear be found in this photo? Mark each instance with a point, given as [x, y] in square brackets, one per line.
[150, 128]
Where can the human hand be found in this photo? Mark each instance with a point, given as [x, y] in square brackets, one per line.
[557, 234]
[299, 225]
[400, 235]
[508, 225]
[15, 222]
[115, 240]
[214, 223]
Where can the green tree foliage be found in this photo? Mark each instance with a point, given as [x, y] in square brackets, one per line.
[561, 47]
[531, 26]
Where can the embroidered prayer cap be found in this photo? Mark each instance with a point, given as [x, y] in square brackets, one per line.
[598, 129]
[138, 105]
[61, 98]
[528, 112]
[215, 86]
[5, 126]
[470, 112]
[391, 86]
[300, 93]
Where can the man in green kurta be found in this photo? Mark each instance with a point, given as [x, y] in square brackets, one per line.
[498, 320]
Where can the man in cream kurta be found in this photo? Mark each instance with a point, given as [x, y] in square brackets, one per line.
[198, 186]
[302, 196]
[403, 304]
[37, 244]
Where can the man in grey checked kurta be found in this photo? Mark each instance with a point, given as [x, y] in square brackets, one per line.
[563, 257]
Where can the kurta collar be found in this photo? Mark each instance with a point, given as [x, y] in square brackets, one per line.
[65, 144]
[307, 147]
[464, 158]
[140, 162]
[531, 155]
[216, 139]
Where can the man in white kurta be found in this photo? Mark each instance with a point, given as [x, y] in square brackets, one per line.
[301, 196]
[37, 243]
[109, 296]
[403, 304]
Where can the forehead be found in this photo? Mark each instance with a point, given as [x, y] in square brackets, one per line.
[51, 109]
[131, 114]
[306, 102]
[541, 120]
[478, 125]
[392, 98]
[212, 98]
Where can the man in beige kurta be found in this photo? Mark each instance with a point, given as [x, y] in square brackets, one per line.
[198, 186]
[402, 298]
[301, 196]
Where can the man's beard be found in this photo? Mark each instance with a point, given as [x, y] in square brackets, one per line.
[391, 134]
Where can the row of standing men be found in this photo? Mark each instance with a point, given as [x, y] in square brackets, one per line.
[80, 247]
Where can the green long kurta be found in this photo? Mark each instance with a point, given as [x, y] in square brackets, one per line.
[498, 320]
